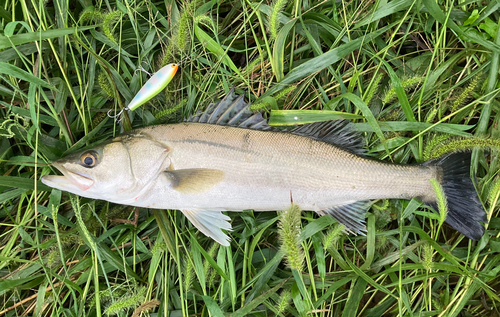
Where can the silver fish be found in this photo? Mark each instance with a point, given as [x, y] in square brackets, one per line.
[228, 159]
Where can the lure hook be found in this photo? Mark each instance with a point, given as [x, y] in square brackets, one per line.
[183, 60]
[140, 68]
[118, 117]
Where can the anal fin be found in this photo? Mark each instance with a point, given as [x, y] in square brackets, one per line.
[210, 223]
[351, 214]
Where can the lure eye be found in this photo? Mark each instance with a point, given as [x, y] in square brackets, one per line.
[89, 159]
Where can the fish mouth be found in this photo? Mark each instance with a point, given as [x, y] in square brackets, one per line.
[70, 181]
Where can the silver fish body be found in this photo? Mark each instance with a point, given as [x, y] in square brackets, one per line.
[265, 170]
[203, 167]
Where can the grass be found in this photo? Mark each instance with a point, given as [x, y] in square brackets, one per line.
[417, 77]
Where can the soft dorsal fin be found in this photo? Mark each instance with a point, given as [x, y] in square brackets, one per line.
[232, 111]
[337, 132]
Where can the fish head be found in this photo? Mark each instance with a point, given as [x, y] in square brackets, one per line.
[118, 170]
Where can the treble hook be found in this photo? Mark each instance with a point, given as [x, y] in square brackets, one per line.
[118, 115]
[140, 68]
[183, 60]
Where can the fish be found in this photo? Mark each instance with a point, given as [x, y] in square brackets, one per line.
[228, 158]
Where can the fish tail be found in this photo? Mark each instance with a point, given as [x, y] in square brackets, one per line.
[465, 211]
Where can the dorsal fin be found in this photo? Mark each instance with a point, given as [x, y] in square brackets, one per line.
[337, 132]
[232, 111]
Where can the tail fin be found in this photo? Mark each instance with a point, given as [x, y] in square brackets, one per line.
[465, 211]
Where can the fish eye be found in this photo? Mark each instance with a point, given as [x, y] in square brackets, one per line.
[89, 159]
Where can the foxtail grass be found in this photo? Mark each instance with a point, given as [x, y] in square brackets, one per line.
[415, 91]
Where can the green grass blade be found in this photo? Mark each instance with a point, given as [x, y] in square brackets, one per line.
[17, 72]
[320, 62]
[215, 48]
[294, 117]
[212, 306]
[353, 301]
[453, 129]
[20, 182]
[18, 39]
[367, 113]
[247, 309]
[278, 61]
[400, 92]
[470, 35]
[370, 242]
[386, 10]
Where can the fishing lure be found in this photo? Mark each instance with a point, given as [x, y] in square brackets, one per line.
[151, 88]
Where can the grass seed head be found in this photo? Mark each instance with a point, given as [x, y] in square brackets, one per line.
[131, 300]
[332, 237]
[494, 191]
[104, 84]
[441, 201]
[260, 106]
[382, 213]
[373, 89]
[407, 84]
[457, 145]
[427, 256]
[146, 306]
[91, 16]
[431, 145]
[289, 233]
[108, 24]
[273, 22]
[284, 301]
[283, 93]
[466, 93]
[205, 20]
[431, 115]
[182, 34]
[188, 272]
[381, 242]
[207, 268]
[170, 111]
[53, 258]
[159, 248]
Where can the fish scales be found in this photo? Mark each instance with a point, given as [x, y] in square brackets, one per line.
[228, 159]
[271, 168]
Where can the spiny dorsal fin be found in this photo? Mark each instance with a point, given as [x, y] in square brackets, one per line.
[232, 111]
[210, 224]
[337, 132]
[350, 214]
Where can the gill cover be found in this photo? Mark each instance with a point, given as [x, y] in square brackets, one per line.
[116, 171]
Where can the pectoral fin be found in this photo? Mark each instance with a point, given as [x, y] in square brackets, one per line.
[210, 223]
[194, 180]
